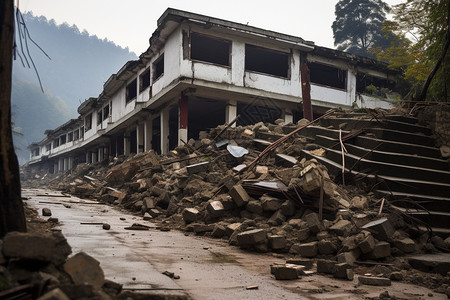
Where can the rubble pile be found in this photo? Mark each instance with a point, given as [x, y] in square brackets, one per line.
[221, 186]
[36, 266]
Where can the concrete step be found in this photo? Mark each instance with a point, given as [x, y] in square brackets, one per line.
[432, 203]
[400, 136]
[359, 164]
[391, 183]
[368, 123]
[388, 157]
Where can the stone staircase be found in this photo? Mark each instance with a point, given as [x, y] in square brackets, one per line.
[394, 157]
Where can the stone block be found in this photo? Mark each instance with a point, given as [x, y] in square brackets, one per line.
[215, 209]
[302, 234]
[323, 235]
[270, 203]
[154, 212]
[239, 195]
[405, 245]
[218, 231]
[46, 212]
[367, 245]
[231, 228]
[313, 222]
[341, 271]
[288, 208]
[149, 203]
[42, 247]
[342, 227]
[251, 237]
[382, 249]
[277, 242]
[297, 223]
[382, 228]
[326, 247]
[283, 272]
[190, 215]
[83, 268]
[348, 257]
[277, 218]
[308, 249]
[372, 280]
[254, 206]
[326, 266]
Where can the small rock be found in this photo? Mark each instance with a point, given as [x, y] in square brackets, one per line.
[396, 276]
[53, 220]
[46, 212]
[83, 268]
[106, 226]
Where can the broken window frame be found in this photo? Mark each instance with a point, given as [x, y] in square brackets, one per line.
[106, 112]
[253, 65]
[317, 76]
[144, 80]
[131, 91]
[88, 122]
[63, 139]
[209, 45]
[158, 68]
[76, 134]
[99, 117]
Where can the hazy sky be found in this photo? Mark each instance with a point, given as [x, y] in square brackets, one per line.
[130, 23]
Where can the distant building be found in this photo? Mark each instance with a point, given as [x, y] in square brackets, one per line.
[200, 72]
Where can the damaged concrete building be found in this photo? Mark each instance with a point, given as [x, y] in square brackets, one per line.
[199, 72]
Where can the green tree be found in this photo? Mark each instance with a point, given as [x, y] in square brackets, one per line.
[426, 59]
[357, 27]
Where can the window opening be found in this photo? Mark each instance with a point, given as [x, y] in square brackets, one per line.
[158, 68]
[144, 80]
[99, 117]
[62, 139]
[76, 135]
[327, 75]
[131, 91]
[88, 122]
[70, 136]
[266, 61]
[211, 50]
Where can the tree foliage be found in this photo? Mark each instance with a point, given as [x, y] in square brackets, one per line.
[357, 27]
[421, 30]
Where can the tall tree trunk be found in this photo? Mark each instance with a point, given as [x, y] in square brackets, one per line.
[12, 216]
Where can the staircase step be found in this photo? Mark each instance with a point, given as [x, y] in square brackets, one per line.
[428, 202]
[403, 137]
[395, 184]
[368, 123]
[388, 157]
[357, 163]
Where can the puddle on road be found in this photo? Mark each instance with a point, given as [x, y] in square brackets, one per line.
[220, 258]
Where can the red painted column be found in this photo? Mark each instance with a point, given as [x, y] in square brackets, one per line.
[306, 89]
[183, 112]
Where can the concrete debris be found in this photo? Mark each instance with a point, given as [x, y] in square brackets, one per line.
[372, 280]
[289, 202]
[83, 268]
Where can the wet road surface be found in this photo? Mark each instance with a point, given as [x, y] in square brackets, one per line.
[208, 268]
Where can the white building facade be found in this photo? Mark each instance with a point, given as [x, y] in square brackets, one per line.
[200, 72]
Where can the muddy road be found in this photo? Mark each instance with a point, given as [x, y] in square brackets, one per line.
[207, 268]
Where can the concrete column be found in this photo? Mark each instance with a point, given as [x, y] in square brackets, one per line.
[70, 162]
[288, 117]
[55, 167]
[140, 138]
[65, 164]
[100, 154]
[60, 165]
[165, 131]
[231, 112]
[351, 87]
[94, 156]
[148, 134]
[126, 144]
[183, 120]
